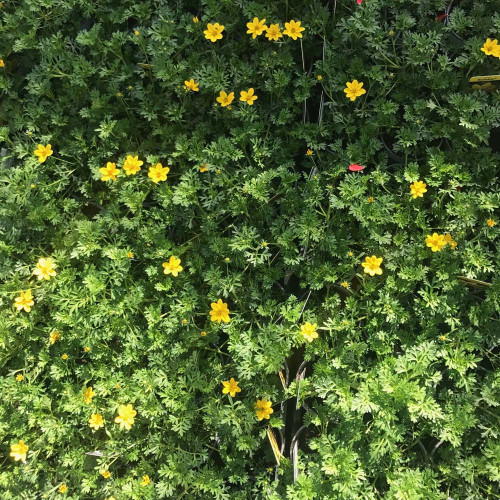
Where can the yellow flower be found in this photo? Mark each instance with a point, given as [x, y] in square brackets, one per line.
[184, 321]
[195, 19]
[54, 337]
[371, 199]
[203, 333]
[453, 244]
[490, 222]
[158, 173]
[436, 242]
[354, 89]
[130, 255]
[18, 451]
[219, 312]
[350, 254]
[136, 33]
[172, 266]
[105, 474]
[191, 85]
[496, 52]
[225, 99]
[45, 269]
[145, 480]
[63, 488]
[126, 416]
[230, 387]
[263, 409]
[293, 29]
[132, 165]
[256, 27]
[417, 189]
[248, 96]
[204, 168]
[64, 356]
[372, 265]
[320, 77]
[309, 152]
[96, 421]
[391, 32]
[345, 284]
[86, 349]
[119, 94]
[308, 331]
[109, 171]
[19, 377]
[43, 152]
[24, 301]
[214, 32]
[490, 47]
[88, 395]
[273, 32]
[2, 64]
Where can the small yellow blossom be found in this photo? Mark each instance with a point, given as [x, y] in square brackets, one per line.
[63, 488]
[130, 87]
[308, 331]
[436, 242]
[264, 244]
[145, 480]
[132, 165]
[371, 199]
[32, 186]
[320, 77]
[191, 85]
[273, 32]
[136, 33]
[86, 349]
[293, 29]
[490, 222]
[490, 47]
[214, 32]
[225, 99]
[230, 387]
[18, 451]
[54, 337]
[119, 94]
[2, 64]
[184, 321]
[354, 89]
[372, 265]
[350, 254]
[219, 312]
[158, 173]
[19, 377]
[64, 356]
[172, 266]
[24, 301]
[203, 333]
[345, 284]
[203, 168]
[218, 171]
[105, 474]
[43, 152]
[96, 421]
[45, 269]
[248, 96]
[391, 32]
[442, 338]
[109, 171]
[227, 259]
[88, 395]
[309, 152]
[256, 27]
[417, 189]
[263, 409]
[130, 255]
[125, 417]
[195, 19]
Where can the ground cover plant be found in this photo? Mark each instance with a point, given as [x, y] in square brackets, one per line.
[224, 221]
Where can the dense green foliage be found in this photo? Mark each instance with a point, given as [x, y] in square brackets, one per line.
[402, 384]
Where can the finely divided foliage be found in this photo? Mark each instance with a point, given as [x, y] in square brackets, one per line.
[249, 249]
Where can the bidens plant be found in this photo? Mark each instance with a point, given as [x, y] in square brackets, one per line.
[249, 250]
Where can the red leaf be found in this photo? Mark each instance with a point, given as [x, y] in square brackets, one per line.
[355, 167]
[441, 17]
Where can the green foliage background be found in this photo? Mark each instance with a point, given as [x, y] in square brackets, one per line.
[395, 412]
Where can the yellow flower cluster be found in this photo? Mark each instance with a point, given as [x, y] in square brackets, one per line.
[247, 96]
[132, 165]
[437, 242]
[293, 29]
